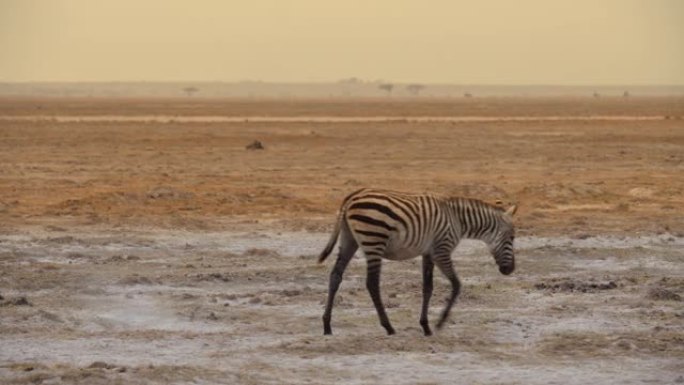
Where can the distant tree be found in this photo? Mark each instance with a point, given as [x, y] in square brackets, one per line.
[352, 80]
[414, 89]
[625, 94]
[467, 95]
[387, 87]
[190, 90]
[596, 95]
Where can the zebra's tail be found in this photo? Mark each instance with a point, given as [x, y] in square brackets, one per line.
[333, 239]
[338, 224]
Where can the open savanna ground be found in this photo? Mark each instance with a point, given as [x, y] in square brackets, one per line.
[162, 250]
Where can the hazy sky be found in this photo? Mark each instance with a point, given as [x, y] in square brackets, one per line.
[572, 42]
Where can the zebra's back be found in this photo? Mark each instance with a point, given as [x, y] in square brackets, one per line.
[400, 225]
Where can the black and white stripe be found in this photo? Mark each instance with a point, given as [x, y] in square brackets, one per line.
[399, 226]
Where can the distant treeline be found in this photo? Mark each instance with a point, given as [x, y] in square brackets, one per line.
[347, 88]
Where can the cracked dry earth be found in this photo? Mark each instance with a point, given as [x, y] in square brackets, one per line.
[194, 307]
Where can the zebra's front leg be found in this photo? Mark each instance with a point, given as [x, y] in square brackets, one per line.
[373, 286]
[428, 268]
[443, 262]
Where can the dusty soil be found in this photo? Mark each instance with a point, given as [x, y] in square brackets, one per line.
[167, 252]
[670, 106]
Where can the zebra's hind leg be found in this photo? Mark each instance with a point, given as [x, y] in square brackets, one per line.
[443, 262]
[374, 264]
[348, 247]
[428, 268]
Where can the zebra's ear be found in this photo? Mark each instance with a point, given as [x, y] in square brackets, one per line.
[511, 210]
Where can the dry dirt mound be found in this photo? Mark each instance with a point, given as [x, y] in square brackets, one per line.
[18, 301]
[570, 285]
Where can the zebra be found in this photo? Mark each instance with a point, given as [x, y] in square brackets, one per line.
[400, 226]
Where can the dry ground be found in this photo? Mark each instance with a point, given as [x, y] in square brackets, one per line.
[142, 251]
[670, 106]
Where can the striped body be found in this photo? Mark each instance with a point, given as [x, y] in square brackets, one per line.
[399, 226]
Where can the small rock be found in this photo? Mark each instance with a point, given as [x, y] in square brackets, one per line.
[255, 300]
[115, 258]
[100, 365]
[625, 345]
[21, 301]
[567, 286]
[607, 286]
[257, 252]
[291, 293]
[255, 145]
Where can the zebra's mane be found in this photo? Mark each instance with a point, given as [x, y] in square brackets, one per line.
[478, 203]
[462, 206]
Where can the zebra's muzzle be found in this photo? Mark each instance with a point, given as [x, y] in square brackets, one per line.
[507, 269]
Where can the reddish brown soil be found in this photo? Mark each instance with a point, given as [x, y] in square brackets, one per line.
[567, 176]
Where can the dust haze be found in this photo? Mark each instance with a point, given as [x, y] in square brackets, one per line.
[452, 42]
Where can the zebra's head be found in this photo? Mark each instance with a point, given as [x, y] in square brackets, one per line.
[501, 244]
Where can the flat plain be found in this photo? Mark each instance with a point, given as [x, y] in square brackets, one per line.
[142, 242]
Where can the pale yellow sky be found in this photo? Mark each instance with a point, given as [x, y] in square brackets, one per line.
[573, 42]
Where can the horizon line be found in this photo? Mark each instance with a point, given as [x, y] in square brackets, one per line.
[340, 81]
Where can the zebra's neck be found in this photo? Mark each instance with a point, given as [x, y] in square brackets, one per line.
[476, 219]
